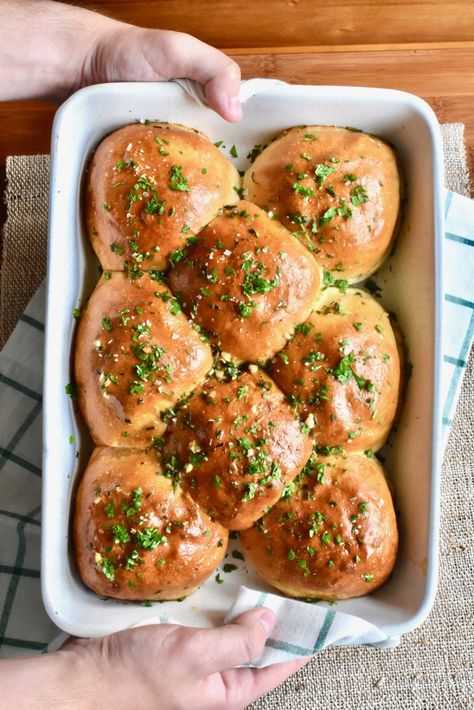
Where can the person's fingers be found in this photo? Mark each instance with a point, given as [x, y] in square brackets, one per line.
[126, 53]
[208, 651]
[244, 685]
[219, 74]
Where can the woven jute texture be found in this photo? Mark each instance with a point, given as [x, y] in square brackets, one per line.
[433, 667]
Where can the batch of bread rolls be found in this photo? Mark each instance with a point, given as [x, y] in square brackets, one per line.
[231, 377]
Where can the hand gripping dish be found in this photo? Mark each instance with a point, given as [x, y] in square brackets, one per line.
[341, 371]
[334, 536]
[234, 447]
[138, 537]
[151, 186]
[247, 281]
[337, 189]
[136, 354]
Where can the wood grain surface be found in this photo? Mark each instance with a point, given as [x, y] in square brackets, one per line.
[423, 47]
[282, 23]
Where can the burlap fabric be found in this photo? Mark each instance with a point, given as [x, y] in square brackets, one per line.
[433, 667]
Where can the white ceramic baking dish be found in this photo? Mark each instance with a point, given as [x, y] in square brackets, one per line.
[411, 287]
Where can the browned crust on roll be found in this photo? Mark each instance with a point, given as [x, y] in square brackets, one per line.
[135, 536]
[341, 371]
[149, 187]
[247, 281]
[334, 537]
[337, 189]
[234, 447]
[136, 354]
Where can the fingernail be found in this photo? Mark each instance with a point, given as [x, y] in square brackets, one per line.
[267, 620]
[234, 106]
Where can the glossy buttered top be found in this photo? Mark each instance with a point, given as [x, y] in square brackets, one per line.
[247, 281]
[235, 446]
[136, 354]
[336, 189]
[150, 187]
[332, 536]
[136, 535]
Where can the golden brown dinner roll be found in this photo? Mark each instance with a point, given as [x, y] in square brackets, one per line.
[341, 371]
[151, 186]
[136, 354]
[135, 535]
[333, 537]
[337, 189]
[247, 281]
[234, 447]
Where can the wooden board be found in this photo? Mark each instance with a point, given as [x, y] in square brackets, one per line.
[282, 23]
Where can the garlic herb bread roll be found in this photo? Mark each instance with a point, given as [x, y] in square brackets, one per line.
[136, 354]
[149, 187]
[333, 536]
[341, 371]
[138, 537]
[336, 189]
[246, 280]
[235, 446]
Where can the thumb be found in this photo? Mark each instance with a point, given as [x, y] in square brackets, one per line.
[218, 73]
[128, 53]
[210, 651]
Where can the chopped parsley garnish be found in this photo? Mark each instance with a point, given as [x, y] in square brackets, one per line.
[228, 567]
[108, 568]
[176, 256]
[71, 390]
[242, 392]
[302, 190]
[358, 195]
[245, 309]
[250, 490]
[132, 560]
[322, 172]
[135, 503]
[177, 180]
[109, 510]
[121, 534]
[328, 215]
[329, 280]
[149, 538]
[154, 205]
[233, 152]
[116, 249]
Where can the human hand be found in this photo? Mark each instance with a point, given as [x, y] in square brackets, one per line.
[68, 47]
[173, 667]
[127, 53]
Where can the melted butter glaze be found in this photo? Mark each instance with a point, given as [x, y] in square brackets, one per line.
[235, 446]
[247, 281]
[137, 537]
[333, 537]
[338, 190]
[342, 370]
[135, 356]
[149, 187]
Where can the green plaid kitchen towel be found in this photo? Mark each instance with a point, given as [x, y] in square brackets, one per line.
[24, 625]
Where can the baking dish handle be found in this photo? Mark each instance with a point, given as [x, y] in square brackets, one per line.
[247, 88]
